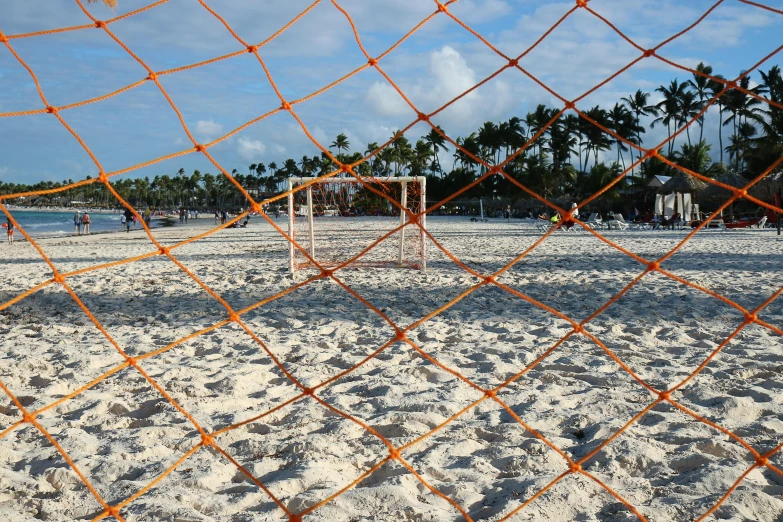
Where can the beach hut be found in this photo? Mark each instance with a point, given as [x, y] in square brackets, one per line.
[770, 189]
[677, 194]
[716, 193]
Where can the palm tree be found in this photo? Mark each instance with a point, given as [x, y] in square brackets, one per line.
[702, 89]
[715, 88]
[639, 106]
[436, 143]
[740, 106]
[341, 143]
[689, 108]
[670, 107]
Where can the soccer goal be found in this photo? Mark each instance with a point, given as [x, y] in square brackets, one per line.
[337, 219]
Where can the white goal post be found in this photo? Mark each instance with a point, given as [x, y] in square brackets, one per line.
[334, 219]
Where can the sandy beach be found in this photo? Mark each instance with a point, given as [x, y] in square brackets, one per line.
[122, 433]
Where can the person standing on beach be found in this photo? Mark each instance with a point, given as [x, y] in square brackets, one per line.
[128, 216]
[86, 222]
[9, 226]
[147, 216]
[77, 223]
[217, 216]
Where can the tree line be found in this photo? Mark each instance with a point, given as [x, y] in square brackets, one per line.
[572, 158]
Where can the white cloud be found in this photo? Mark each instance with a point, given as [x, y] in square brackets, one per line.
[3, 171]
[208, 130]
[447, 76]
[250, 150]
[279, 148]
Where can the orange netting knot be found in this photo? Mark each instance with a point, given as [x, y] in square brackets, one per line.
[581, 3]
[103, 178]
[51, 110]
[286, 106]
[750, 318]
[579, 329]
[651, 153]
[494, 170]
[3, 38]
[731, 85]
[570, 105]
[489, 279]
[400, 336]
[649, 52]
[345, 168]
[100, 24]
[422, 116]
[233, 317]
[255, 207]
[164, 251]
[489, 394]
[152, 76]
[207, 440]
[308, 391]
[373, 62]
[132, 362]
[200, 148]
[394, 454]
[513, 63]
[295, 518]
[574, 467]
[326, 273]
[27, 418]
[59, 278]
[761, 461]
[442, 8]
[113, 511]
[653, 266]
[664, 395]
[252, 49]
[740, 193]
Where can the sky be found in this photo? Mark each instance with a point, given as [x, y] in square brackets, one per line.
[438, 62]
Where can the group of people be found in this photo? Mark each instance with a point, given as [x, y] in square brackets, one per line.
[185, 214]
[81, 223]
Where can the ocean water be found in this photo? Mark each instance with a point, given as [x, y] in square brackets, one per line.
[47, 224]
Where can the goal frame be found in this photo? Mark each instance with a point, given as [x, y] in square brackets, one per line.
[403, 180]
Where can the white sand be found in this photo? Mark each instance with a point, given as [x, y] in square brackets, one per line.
[122, 434]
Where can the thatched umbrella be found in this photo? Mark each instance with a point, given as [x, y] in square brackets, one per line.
[715, 192]
[769, 185]
[682, 183]
[109, 3]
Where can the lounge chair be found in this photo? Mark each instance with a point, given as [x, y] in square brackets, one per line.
[671, 222]
[594, 221]
[617, 222]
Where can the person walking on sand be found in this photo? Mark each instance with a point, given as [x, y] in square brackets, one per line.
[9, 230]
[77, 223]
[128, 216]
[86, 223]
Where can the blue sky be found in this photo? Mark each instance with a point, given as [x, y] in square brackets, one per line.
[436, 64]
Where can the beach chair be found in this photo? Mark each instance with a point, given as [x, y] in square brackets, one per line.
[618, 222]
[671, 222]
[543, 225]
[594, 221]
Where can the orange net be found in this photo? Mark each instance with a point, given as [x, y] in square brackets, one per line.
[401, 455]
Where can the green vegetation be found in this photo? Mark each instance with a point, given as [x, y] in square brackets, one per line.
[560, 162]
